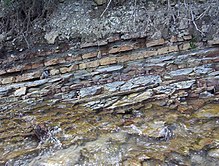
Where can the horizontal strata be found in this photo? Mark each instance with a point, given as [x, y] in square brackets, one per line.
[112, 75]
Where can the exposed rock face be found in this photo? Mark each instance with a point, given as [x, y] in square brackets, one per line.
[120, 59]
[113, 80]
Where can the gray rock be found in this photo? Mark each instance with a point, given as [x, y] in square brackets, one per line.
[102, 103]
[155, 64]
[114, 86]
[215, 73]
[69, 95]
[36, 83]
[169, 89]
[160, 59]
[181, 72]
[181, 59]
[214, 153]
[110, 68]
[197, 159]
[141, 81]
[90, 91]
[202, 69]
[184, 84]
[205, 94]
[51, 36]
[4, 91]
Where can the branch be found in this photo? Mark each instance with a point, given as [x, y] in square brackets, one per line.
[106, 8]
[196, 27]
[203, 14]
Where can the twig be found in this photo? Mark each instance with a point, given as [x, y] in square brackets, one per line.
[106, 8]
[203, 14]
[28, 45]
[196, 27]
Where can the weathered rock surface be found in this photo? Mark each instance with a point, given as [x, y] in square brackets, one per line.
[84, 92]
[209, 111]
[20, 91]
[214, 153]
[181, 72]
[141, 81]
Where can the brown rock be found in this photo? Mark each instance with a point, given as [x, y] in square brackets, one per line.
[173, 48]
[82, 66]
[89, 64]
[187, 37]
[2, 72]
[8, 80]
[184, 47]
[121, 49]
[89, 55]
[51, 62]
[85, 45]
[54, 72]
[61, 60]
[155, 42]
[173, 39]
[92, 64]
[215, 41]
[15, 69]
[28, 76]
[73, 58]
[184, 108]
[163, 50]
[36, 65]
[108, 61]
[114, 38]
[149, 53]
[196, 104]
[64, 70]
[73, 67]
[123, 58]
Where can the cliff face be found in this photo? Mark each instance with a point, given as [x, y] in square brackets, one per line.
[113, 74]
[112, 59]
[99, 55]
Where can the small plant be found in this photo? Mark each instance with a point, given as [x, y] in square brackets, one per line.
[192, 43]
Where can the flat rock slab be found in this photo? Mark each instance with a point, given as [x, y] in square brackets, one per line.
[110, 68]
[141, 81]
[171, 88]
[114, 86]
[202, 70]
[90, 91]
[132, 99]
[181, 72]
